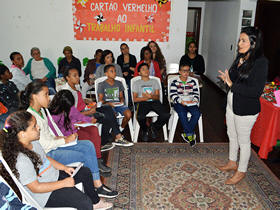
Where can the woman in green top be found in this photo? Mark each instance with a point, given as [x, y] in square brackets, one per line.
[41, 68]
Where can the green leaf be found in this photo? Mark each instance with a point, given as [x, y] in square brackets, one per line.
[85, 61]
[59, 59]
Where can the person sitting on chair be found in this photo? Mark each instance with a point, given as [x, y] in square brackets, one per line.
[8, 93]
[41, 68]
[20, 78]
[185, 98]
[146, 95]
[111, 92]
[69, 61]
[195, 60]
[49, 182]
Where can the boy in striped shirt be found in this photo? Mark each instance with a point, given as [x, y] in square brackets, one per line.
[184, 96]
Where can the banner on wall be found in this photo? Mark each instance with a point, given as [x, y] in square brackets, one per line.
[121, 20]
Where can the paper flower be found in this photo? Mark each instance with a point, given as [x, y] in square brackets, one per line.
[82, 2]
[150, 18]
[80, 26]
[99, 18]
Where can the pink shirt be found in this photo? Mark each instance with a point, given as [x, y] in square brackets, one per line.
[74, 115]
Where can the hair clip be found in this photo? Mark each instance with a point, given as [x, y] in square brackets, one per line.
[5, 129]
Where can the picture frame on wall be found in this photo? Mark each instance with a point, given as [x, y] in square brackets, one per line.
[246, 22]
[247, 13]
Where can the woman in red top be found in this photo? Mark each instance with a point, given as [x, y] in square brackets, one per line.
[146, 57]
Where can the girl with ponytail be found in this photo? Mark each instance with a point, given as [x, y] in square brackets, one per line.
[35, 99]
[48, 181]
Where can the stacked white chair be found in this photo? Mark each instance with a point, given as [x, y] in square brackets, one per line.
[119, 117]
[150, 114]
[173, 120]
[172, 68]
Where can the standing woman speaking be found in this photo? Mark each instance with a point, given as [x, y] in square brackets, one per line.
[246, 79]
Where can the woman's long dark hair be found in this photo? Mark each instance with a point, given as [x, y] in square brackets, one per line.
[142, 52]
[32, 88]
[62, 103]
[255, 51]
[11, 147]
[159, 56]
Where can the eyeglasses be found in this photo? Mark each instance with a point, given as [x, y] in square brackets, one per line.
[124, 48]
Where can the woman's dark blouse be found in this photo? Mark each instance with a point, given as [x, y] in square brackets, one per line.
[197, 63]
[125, 66]
[75, 63]
[246, 94]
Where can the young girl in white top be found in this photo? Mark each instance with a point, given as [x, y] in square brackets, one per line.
[35, 98]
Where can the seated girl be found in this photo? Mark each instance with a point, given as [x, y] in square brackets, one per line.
[65, 115]
[146, 57]
[8, 93]
[104, 114]
[35, 98]
[48, 181]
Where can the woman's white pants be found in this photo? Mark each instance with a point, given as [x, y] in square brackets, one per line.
[239, 131]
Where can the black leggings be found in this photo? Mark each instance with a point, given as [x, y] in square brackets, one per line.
[143, 108]
[71, 196]
[108, 123]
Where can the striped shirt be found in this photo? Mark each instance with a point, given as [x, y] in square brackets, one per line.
[184, 91]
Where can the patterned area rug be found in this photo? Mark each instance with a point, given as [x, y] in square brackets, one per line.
[176, 176]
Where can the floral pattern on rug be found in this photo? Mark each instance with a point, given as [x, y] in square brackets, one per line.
[165, 176]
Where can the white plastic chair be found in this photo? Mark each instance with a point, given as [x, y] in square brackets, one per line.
[150, 114]
[172, 124]
[4, 181]
[172, 68]
[119, 117]
[26, 197]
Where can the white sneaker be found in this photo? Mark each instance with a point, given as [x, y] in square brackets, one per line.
[122, 142]
[107, 147]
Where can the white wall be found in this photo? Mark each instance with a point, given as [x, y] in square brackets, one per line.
[222, 25]
[48, 25]
[199, 4]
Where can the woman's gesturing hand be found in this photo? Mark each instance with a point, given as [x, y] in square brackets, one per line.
[225, 77]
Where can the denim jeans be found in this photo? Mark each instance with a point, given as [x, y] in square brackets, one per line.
[51, 85]
[188, 125]
[83, 151]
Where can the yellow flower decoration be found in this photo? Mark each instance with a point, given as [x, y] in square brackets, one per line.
[160, 2]
[82, 2]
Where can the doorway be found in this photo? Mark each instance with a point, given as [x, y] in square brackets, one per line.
[267, 20]
[193, 26]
